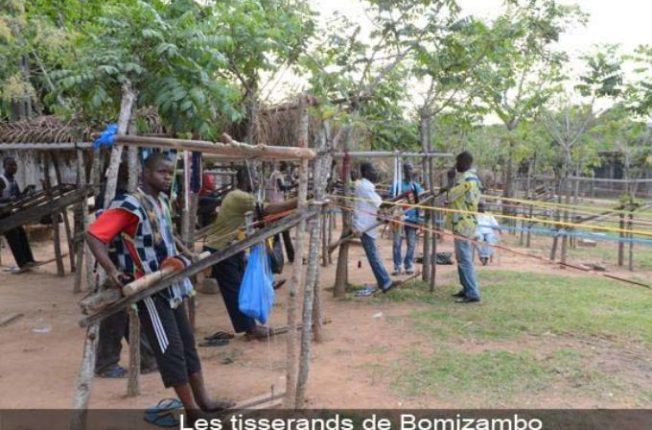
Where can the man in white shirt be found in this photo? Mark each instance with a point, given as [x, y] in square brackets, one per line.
[365, 219]
[486, 233]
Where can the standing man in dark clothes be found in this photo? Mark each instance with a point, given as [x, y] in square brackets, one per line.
[139, 227]
[227, 229]
[17, 238]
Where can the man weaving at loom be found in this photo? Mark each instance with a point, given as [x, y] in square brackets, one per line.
[228, 228]
[139, 230]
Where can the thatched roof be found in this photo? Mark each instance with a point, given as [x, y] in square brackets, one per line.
[52, 130]
[43, 129]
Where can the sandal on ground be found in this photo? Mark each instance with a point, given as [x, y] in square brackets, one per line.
[220, 335]
[215, 342]
[366, 292]
[166, 419]
[114, 372]
[259, 333]
[164, 405]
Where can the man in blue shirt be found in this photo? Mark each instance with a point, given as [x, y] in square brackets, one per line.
[410, 187]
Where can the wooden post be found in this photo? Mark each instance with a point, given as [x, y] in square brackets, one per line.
[342, 271]
[297, 274]
[426, 165]
[621, 243]
[83, 226]
[431, 226]
[64, 214]
[54, 217]
[133, 383]
[85, 378]
[630, 227]
[324, 237]
[95, 174]
[528, 241]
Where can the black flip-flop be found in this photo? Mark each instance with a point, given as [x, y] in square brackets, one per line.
[220, 335]
[215, 342]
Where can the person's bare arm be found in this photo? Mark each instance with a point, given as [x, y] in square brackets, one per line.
[101, 252]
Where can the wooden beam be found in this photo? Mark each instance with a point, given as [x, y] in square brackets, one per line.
[201, 265]
[233, 149]
[44, 146]
[392, 154]
[35, 213]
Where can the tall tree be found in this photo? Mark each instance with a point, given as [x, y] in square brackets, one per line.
[522, 71]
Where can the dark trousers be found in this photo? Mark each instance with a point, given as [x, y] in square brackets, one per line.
[228, 274]
[289, 248]
[109, 345]
[170, 335]
[17, 239]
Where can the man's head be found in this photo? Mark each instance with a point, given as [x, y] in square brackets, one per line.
[10, 166]
[481, 207]
[368, 171]
[243, 181]
[408, 171]
[463, 161]
[283, 167]
[158, 172]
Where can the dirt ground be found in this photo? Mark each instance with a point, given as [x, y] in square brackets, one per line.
[40, 352]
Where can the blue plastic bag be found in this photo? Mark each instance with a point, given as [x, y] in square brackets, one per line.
[256, 291]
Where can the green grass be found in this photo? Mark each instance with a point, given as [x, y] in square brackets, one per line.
[560, 317]
[525, 303]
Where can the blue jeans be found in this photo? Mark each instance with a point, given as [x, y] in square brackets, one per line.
[464, 257]
[377, 266]
[411, 235]
[485, 250]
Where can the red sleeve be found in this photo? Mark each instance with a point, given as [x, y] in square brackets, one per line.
[112, 222]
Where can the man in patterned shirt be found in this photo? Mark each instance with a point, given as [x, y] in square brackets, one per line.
[463, 199]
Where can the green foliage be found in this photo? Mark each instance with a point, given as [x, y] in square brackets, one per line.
[170, 55]
[639, 92]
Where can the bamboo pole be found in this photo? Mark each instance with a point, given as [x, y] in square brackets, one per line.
[232, 149]
[297, 275]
